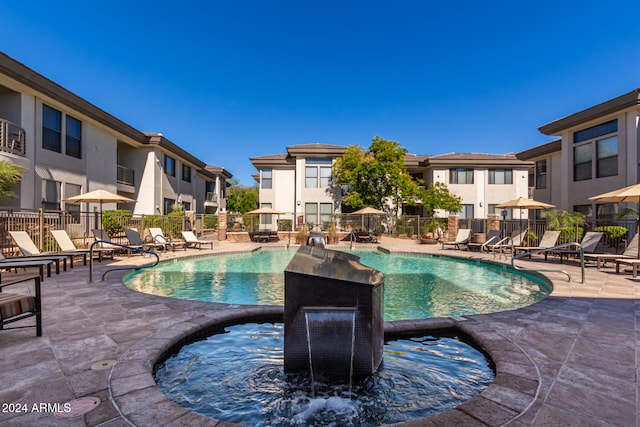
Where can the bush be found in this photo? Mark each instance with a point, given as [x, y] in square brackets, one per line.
[568, 234]
[613, 234]
[210, 221]
[115, 221]
[285, 225]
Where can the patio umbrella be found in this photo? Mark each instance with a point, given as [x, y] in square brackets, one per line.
[99, 196]
[367, 212]
[264, 211]
[630, 194]
[524, 203]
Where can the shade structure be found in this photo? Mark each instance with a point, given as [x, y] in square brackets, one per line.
[630, 194]
[265, 211]
[524, 203]
[99, 196]
[367, 211]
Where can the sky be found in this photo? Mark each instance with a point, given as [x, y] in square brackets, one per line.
[230, 80]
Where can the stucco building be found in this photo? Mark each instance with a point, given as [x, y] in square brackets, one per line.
[68, 146]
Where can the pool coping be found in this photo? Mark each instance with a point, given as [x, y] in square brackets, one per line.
[136, 397]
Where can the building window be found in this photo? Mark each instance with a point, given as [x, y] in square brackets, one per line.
[599, 143]
[266, 219]
[466, 212]
[596, 131]
[317, 172]
[50, 194]
[168, 206]
[607, 157]
[169, 165]
[73, 137]
[186, 173]
[311, 214]
[500, 176]
[541, 174]
[582, 162]
[51, 129]
[326, 209]
[461, 176]
[585, 210]
[606, 211]
[71, 190]
[267, 178]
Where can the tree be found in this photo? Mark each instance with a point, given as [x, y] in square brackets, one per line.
[10, 175]
[241, 199]
[439, 197]
[568, 222]
[375, 178]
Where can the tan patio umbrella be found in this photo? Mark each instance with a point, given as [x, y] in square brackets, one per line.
[630, 194]
[264, 211]
[99, 196]
[366, 212]
[524, 203]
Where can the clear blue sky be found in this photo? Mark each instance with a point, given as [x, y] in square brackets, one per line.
[228, 80]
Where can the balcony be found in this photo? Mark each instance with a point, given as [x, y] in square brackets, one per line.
[211, 199]
[12, 138]
[125, 176]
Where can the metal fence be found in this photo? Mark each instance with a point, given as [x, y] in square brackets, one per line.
[79, 226]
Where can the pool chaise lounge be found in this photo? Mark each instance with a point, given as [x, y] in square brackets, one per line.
[462, 239]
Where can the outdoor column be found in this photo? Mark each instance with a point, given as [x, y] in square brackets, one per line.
[493, 222]
[222, 226]
[452, 227]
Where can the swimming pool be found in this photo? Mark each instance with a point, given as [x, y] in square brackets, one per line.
[416, 286]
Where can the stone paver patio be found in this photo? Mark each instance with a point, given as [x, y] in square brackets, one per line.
[571, 359]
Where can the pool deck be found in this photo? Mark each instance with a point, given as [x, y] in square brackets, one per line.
[569, 360]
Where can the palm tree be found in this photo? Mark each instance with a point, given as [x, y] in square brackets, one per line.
[559, 219]
[10, 175]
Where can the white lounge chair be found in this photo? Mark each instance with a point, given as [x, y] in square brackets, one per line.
[158, 237]
[29, 249]
[549, 240]
[462, 238]
[589, 244]
[630, 254]
[192, 241]
[66, 245]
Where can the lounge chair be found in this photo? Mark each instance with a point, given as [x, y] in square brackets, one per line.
[589, 244]
[462, 238]
[14, 307]
[29, 249]
[516, 239]
[492, 237]
[27, 262]
[135, 241]
[549, 239]
[158, 237]
[66, 245]
[630, 253]
[192, 241]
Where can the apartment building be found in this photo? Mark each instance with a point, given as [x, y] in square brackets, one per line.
[68, 146]
[298, 181]
[597, 152]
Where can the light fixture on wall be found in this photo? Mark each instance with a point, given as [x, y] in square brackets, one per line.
[298, 202]
[480, 204]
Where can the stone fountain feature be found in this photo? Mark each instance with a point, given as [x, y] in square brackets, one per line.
[333, 314]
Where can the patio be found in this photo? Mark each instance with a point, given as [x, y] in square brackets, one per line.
[568, 360]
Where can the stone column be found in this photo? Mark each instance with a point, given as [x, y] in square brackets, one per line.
[222, 226]
[453, 225]
[493, 222]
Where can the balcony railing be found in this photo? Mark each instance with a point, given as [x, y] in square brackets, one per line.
[211, 199]
[125, 175]
[12, 138]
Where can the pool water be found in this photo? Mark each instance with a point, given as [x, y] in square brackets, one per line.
[416, 286]
[246, 382]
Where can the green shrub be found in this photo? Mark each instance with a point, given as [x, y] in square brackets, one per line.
[210, 221]
[613, 233]
[568, 234]
[115, 221]
[285, 225]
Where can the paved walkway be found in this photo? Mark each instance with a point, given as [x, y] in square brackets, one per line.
[571, 359]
